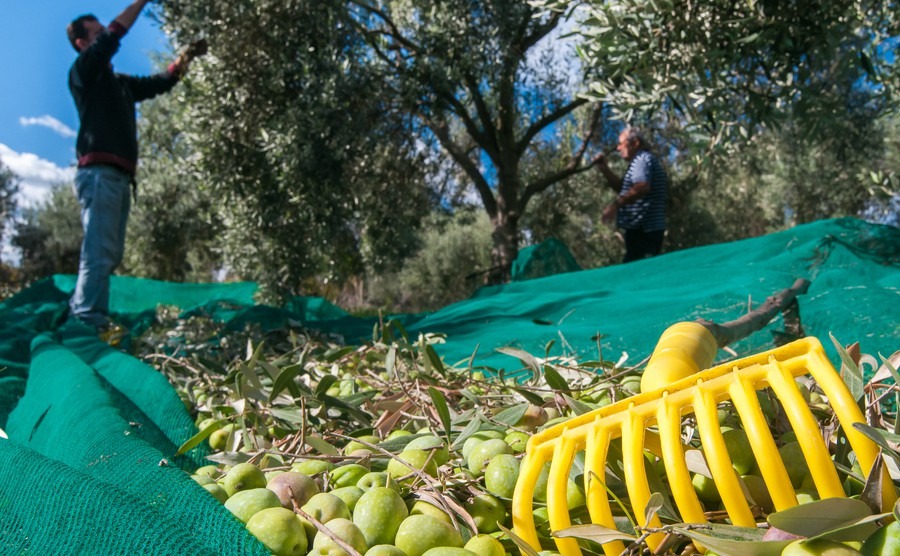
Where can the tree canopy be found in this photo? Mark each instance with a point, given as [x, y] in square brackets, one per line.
[48, 236]
[9, 189]
[289, 129]
[316, 141]
[727, 69]
[485, 83]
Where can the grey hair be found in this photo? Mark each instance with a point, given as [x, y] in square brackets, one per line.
[636, 134]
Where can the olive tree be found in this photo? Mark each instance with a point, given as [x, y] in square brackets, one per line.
[175, 221]
[725, 70]
[48, 236]
[768, 110]
[485, 83]
[314, 176]
[9, 189]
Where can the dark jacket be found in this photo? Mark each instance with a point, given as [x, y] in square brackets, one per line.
[105, 101]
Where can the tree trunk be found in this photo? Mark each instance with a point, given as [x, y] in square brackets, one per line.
[505, 247]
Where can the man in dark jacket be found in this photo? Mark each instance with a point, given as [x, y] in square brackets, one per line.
[107, 150]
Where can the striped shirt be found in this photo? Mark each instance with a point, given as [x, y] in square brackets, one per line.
[649, 212]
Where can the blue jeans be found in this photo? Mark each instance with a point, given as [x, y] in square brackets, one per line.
[105, 196]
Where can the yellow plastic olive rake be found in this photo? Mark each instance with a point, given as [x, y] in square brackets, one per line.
[673, 386]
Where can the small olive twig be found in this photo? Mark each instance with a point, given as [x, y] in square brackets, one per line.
[322, 527]
[448, 503]
[173, 361]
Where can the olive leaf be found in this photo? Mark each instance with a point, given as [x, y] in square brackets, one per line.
[527, 549]
[593, 532]
[579, 407]
[728, 539]
[555, 380]
[511, 415]
[822, 517]
[322, 446]
[850, 371]
[440, 405]
[285, 378]
[434, 360]
[526, 358]
[654, 504]
[195, 440]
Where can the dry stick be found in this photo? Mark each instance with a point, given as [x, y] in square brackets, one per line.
[758, 318]
[299, 437]
[447, 502]
[324, 529]
[172, 360]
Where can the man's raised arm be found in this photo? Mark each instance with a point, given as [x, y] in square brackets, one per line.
[127, 18]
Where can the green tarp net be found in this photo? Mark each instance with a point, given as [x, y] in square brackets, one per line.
[547, 258]
[89, 466]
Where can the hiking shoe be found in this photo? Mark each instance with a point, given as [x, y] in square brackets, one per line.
[112, 333]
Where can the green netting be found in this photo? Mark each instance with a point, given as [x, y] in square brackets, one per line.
[89, 468]
[623, 309]
[547, 258]
[88, 471]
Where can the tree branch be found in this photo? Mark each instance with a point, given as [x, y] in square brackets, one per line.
[481, 137]
[742, 327]
[542, 123]
[484, 114]
[469, 167]
[541, 184]
[541, 31]
[394, 33]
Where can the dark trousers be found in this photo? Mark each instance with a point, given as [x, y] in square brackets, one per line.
[640, 244]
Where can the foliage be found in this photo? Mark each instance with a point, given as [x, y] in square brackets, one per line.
[9, 277]
[450, 266]
[769, 111]
[9, 188]
[326, 147]
[293, 396]
[728, 69]
[49, 236]
[781, 178]
[883, 177]
[174, 223]
[294, 138]
[570, 210]
[480, 83]
[306, 114]
[484, 82]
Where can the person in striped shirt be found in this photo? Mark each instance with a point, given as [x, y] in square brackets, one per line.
[640, 204]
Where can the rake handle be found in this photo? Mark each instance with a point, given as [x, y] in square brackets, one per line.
[687, 348]
[683, 349]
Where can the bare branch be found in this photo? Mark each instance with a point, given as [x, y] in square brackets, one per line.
[486, 140]
[548, 119]
[541, 31]
[394, 33]
[538, 185]
[440, 130]
[484, 114]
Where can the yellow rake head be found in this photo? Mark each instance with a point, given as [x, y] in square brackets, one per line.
[672, 388]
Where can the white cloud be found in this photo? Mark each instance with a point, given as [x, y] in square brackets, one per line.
[36, 175]
[49, 122]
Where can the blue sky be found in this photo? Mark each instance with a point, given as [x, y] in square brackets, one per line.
[37, 116]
